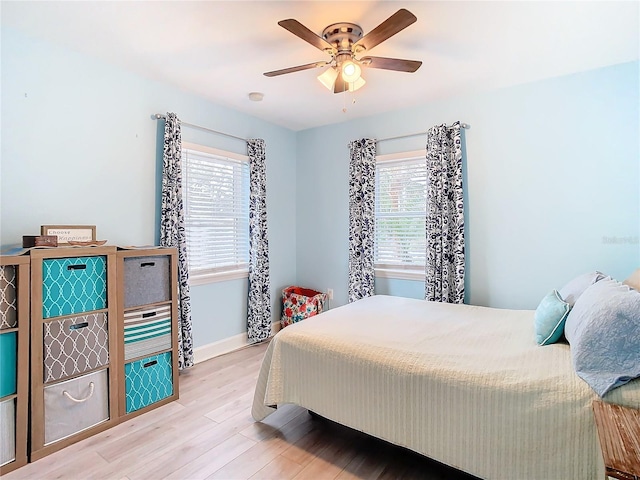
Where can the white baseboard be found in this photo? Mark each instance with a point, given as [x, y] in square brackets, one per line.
[275, 328]
[226, 345]
[211, 350]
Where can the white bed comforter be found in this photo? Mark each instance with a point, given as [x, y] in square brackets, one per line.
[464, 385]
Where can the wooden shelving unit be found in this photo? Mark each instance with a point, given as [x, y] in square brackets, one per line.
[88, 339]
[14, 332]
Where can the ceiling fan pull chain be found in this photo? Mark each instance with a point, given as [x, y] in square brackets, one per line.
[344, 97]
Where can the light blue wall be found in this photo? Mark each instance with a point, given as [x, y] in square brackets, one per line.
[553, 169]
[79, 147]
[552, 173]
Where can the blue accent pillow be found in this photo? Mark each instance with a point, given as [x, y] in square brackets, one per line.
[603, 329]
[550, 317]
[572, 290]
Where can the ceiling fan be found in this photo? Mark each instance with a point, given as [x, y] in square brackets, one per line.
[345, 43]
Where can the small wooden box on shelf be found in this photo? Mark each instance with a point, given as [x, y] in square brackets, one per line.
[14, 361]
[147, 328]
[73, 346]
[619, 434]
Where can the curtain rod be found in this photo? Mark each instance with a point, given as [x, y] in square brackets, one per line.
[462, 125]
[159, 116]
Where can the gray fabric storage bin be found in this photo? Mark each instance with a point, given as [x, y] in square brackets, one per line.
[146, 280]
[75, 345]
[7, 431]
[87, 407]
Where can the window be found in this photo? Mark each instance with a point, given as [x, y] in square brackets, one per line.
[401, 189]
[215, 189]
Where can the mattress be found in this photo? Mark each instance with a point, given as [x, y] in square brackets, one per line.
[465, 385]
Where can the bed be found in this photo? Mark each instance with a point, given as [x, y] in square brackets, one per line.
[465, 385]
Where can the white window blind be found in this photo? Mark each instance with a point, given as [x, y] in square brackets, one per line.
[216, 202]
[401, 189]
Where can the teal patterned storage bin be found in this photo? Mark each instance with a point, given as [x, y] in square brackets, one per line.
[148, 381]
[8, 350]
[73, 285]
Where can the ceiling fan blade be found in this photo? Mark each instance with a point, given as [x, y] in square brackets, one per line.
[305, 34]
[391, 64]
[340, 85]
[392, 25]
[299, 68]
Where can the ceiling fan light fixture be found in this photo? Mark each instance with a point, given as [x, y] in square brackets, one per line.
[344, 42]
[328, 78]
[350, 71]
[353, 86]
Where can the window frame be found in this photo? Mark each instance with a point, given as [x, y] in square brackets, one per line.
[396, 271]
[216, 274]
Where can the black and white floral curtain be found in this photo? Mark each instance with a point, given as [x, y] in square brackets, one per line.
[445, 265]
[362, 187]
[259, 304]
[172, 233]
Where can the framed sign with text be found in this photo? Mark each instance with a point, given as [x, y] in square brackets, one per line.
[74, 233]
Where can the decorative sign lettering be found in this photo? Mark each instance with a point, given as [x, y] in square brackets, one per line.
[74, 233]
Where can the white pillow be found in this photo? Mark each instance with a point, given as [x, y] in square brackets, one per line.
[572, 290]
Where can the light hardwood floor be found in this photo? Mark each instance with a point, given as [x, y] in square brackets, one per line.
[209, 433]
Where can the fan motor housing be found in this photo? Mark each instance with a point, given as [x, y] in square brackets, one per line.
[343, 35]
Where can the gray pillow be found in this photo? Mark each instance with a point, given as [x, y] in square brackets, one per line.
[603, 329]
[572, 290]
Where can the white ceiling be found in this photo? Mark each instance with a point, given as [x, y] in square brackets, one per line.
[219, 50]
